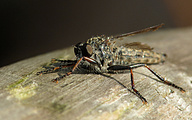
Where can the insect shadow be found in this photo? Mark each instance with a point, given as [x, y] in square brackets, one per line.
[120, 84]
[107, 76]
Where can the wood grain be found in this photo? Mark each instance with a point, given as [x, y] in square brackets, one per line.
[24, 95]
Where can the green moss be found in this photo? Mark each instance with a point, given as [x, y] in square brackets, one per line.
[17, 83]
[56, 107]
[21, 91]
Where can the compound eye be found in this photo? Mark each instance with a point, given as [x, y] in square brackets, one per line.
[76, 48]
[89, 50]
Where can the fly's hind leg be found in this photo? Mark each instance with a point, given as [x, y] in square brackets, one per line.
[158, 76]
[130, 67]
[163, 80]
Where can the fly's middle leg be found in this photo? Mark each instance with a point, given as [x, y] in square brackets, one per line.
[133, 87]
[120, 67]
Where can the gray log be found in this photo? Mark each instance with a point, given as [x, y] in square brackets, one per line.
[24, 95]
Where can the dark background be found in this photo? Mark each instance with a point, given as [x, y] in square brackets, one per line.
[33, 27]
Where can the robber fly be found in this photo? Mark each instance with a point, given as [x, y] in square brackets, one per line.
[100, 55]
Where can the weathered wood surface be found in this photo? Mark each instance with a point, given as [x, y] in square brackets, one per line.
[24, 95]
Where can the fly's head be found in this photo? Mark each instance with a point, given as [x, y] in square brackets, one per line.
[83, 49]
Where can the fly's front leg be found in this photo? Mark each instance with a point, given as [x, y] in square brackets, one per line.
[90, 60]
[63, 62]
[57, 66]
[61, 77]
[48, 70]
[68, 73]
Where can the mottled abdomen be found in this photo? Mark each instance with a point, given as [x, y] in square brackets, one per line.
[127, 56]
